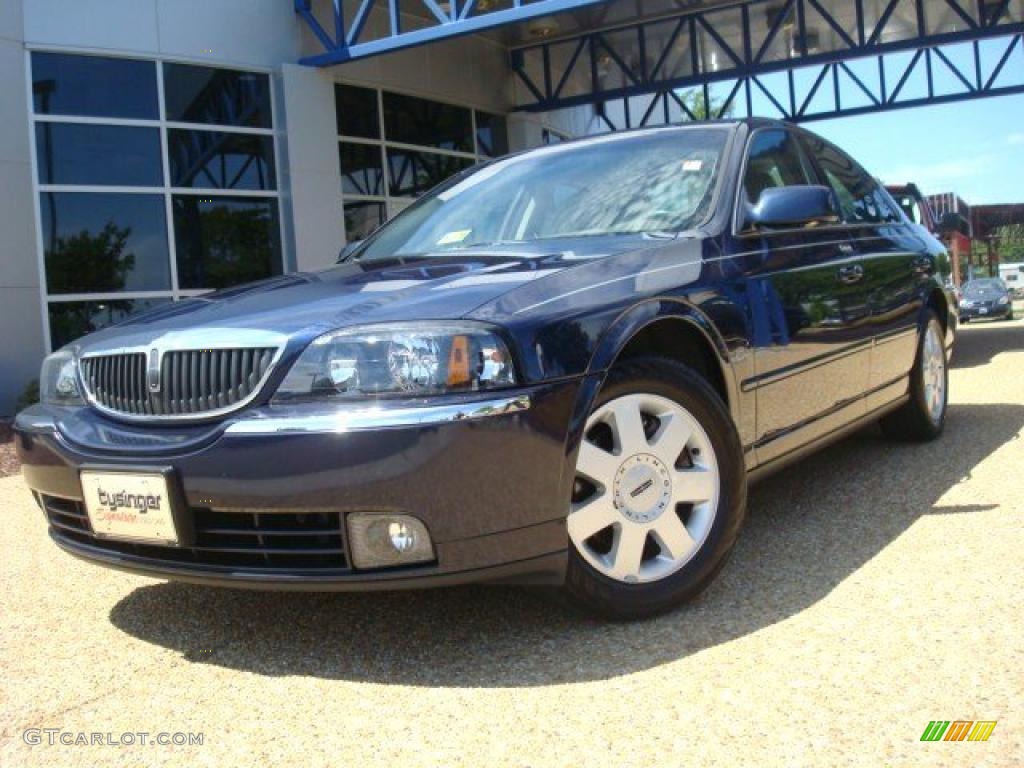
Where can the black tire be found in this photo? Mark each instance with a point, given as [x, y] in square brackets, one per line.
[913, 421]
[598, 593]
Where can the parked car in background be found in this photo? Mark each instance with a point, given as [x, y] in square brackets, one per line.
[561, 366]
[1013, 275]
[987, 298]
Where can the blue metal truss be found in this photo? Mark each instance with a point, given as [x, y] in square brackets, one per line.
[666, 54]
[346, 37]
[799, 59]
[834, 89]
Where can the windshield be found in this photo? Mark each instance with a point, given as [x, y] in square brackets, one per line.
[619, 184]
[989, 285]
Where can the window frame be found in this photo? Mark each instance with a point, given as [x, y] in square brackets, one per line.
[164, 189]
[739, 196]
[804, 137]
[799, 135]
[395, 204]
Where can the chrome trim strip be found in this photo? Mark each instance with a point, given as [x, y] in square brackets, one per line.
[343, 420]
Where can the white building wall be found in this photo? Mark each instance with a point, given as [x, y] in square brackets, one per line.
[21, 326]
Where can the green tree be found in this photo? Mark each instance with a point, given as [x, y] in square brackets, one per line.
[1009, 242]
[87, 262]
[705, 109]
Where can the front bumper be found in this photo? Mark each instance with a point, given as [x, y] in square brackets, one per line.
[487, 477]
[984, 312]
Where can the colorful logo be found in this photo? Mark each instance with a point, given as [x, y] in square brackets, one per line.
[958, 730]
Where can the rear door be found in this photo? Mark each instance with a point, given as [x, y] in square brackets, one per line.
[806, 309]
[897, 264]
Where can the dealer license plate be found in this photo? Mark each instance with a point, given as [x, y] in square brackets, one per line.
[123, 505]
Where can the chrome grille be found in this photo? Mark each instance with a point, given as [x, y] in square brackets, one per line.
[192, 382]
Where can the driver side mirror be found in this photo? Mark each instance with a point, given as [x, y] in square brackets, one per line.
[791, 207]
[347, 250]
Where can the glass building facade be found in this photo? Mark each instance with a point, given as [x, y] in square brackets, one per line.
[156, 181]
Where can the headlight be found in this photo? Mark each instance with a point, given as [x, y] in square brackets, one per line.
[400, 359]
[1004, 299]
[58, 380]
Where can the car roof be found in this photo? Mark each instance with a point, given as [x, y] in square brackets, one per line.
[728, 123]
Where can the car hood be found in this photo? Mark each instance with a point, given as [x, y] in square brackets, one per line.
[984, 295]
[305, 304]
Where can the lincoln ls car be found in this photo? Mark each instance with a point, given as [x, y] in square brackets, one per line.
[559, 367]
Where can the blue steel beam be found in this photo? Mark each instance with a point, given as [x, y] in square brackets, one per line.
[745, 57]
[795, 104]
[342, 46]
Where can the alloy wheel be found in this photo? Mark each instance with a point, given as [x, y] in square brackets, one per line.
[934, 374]
[646, 489]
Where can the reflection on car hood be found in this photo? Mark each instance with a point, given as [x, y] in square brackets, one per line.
[433, 286]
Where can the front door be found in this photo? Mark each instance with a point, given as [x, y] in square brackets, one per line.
[807, 311]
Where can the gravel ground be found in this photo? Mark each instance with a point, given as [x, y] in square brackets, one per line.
[876, 587]
[8, 461]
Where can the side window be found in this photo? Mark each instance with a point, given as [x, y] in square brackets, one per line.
[773, 160]
[861, 199]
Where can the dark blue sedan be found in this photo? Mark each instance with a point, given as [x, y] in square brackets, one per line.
[986, 298]
[560, 367]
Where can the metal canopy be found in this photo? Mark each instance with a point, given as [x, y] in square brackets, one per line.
[828, 42]
[635, 60]
[347, 35]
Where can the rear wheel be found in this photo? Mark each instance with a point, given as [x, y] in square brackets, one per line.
[659, 492]
[923, 416]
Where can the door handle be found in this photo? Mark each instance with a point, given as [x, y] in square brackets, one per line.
[851, 274]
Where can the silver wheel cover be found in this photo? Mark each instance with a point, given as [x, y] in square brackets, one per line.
[933, 364]
[643, 509]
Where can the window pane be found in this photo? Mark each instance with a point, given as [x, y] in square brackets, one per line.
[361, 172]
[224, 241]
[860, 199]
[96, 242]
[413, 173]
[92, 86]
[361, 218]
[221, 160]
[69, 153]
[491, 135]
[70, 320]
[217, 96]
[356, 110]
[773, 160]
[427, 123]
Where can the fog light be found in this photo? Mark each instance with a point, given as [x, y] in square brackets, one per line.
[381, 541]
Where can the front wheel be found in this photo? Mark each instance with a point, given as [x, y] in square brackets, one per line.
[923, 416]
[659, 493]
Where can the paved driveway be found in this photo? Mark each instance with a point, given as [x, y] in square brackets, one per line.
[876, 587]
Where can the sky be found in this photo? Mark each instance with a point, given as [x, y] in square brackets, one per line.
[973, 148]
